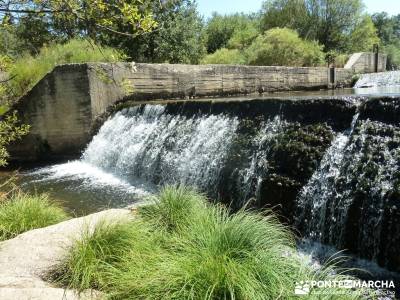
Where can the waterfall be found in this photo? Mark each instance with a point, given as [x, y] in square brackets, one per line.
[338, 187]
[146, 146]
[163, 148]
[250, 177]
[352, 200]
[391, 78]
[313, 204]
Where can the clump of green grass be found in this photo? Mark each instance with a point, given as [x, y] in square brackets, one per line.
[183, 248]
[98, 247]
[174, 209]
[20, 212]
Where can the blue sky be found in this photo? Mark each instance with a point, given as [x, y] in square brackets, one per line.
[206, 7]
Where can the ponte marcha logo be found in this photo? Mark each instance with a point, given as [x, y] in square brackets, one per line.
[302, 288]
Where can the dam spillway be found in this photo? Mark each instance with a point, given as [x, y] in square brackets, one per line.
[329, 167]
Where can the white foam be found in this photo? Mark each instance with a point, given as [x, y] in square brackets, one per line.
[89, 175]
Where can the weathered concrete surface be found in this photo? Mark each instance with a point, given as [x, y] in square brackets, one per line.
[63, 106]
[364, 62]
[25, 259]
[165, 81]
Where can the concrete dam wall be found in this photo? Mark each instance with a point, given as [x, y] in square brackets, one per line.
[64, 105]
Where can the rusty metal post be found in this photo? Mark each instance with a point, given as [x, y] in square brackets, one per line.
[376, 57]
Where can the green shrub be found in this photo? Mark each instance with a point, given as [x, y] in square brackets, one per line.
[183, 248]
[363, 37]
[21, 212]
[341, 60]
[284, 47]
[10, 131]
[28, 70]
[243, 37]
[224, 56]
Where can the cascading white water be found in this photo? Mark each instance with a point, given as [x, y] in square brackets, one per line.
[391, 78]
[249, 178]
[351, 201]
[321, 187]
[145, 146]
[163, 148]
[313, 201]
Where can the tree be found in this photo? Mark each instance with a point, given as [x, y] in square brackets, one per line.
[243, 37]
[285, 13]
[388, 30]
[328, 21]
[178, 38]
[284, 47]
[33, 32]
[88, 17]
[220, 29]
[385, 26]
[393, 55]
[364, 36]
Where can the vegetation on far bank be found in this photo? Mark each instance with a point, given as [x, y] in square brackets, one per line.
[182, 247]
[175, 32]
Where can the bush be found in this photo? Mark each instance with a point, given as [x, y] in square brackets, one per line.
[28, 70]
[284, 47]
[363, 37]
[341, 60]
[21, 212]
[225, 56]
[184, 248]
[243, 37]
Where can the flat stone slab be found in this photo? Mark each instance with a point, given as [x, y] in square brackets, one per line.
[25, 259]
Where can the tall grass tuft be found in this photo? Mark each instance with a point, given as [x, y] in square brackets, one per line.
[90, 255]
[183, 248]
[174, 208]
[21, 212]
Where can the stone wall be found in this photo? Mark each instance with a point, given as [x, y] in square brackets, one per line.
[364, 62]
[63, 106]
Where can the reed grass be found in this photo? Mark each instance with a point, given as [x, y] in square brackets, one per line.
[181, 247]
[20, 212]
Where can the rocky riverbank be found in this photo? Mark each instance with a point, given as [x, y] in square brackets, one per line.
[26, 259]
